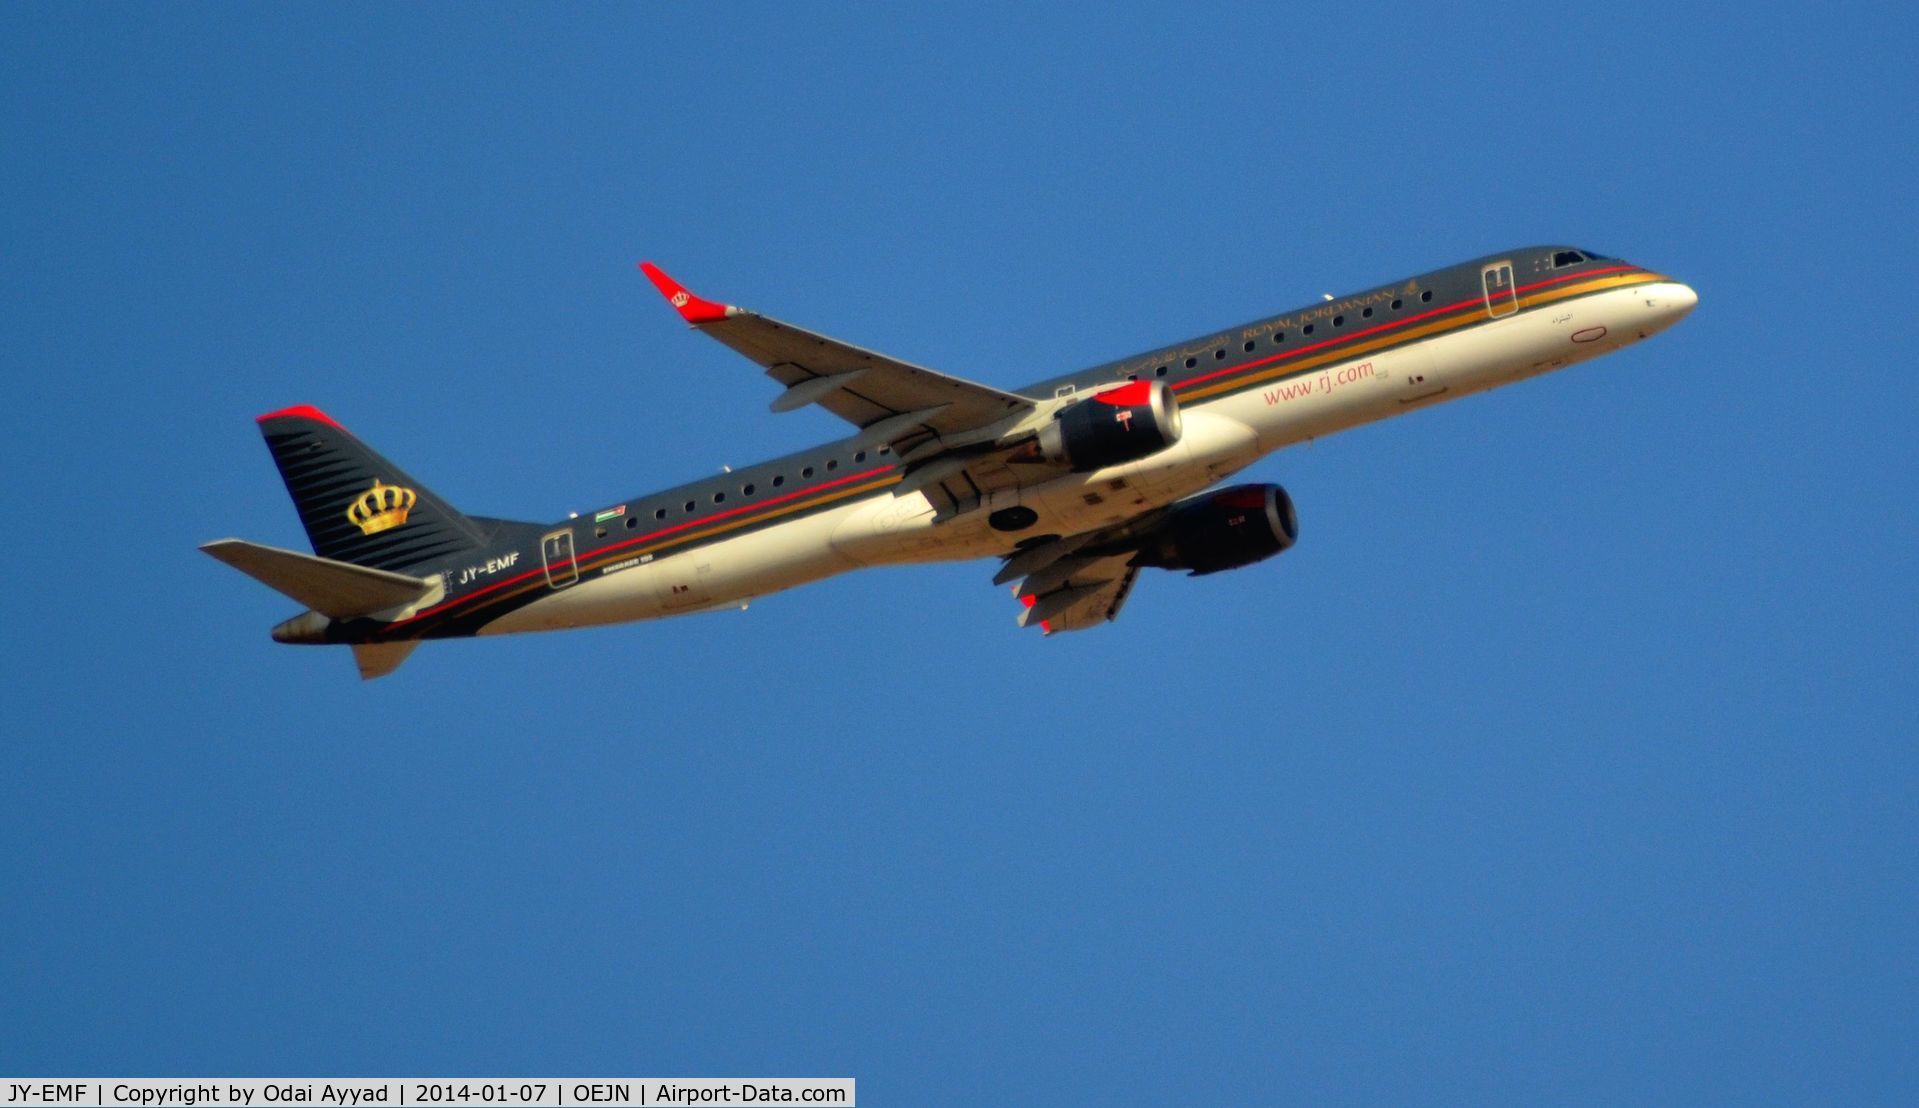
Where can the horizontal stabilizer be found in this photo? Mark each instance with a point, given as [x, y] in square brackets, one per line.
[337, 589]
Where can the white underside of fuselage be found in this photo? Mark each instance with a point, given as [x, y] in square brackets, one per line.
[1222, 435]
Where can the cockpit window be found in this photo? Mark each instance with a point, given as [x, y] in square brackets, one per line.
[1564, 258]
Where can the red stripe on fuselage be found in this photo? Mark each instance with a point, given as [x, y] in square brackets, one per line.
[638, 539]
[1299, 351]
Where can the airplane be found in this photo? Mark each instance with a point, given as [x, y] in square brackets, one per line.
[1076, 483]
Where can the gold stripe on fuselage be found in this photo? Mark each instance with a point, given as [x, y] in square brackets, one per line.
[1470, 314]
[608, 557]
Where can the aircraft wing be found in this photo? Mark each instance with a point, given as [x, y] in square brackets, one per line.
[924, 415]
[1079, 581]
[1090, 598]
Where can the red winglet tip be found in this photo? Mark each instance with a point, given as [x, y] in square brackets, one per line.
[691, 308]
[300, 411]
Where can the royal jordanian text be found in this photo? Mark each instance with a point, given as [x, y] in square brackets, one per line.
[351, 1092]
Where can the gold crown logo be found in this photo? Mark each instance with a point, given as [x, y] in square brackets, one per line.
[380, 508]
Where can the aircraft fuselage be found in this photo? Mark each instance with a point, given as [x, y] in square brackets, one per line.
[1242, 393]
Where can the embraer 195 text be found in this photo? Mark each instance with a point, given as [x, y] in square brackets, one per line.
[1077, 483]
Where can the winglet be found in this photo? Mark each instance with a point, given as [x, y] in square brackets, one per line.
[691, 308]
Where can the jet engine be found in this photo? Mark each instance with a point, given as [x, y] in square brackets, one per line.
[1225, 529]
[1117, 425]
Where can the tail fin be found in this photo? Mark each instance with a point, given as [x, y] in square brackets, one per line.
[357, 506]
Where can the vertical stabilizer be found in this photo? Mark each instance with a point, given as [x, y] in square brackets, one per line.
[357, 506]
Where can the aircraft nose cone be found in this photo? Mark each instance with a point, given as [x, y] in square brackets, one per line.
[1669, 302]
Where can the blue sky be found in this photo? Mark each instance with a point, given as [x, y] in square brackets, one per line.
[1570, 756]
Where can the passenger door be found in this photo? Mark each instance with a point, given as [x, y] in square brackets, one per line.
[1501, 297]
[556, 550]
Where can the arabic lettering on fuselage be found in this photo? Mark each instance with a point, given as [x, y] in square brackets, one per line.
[1329, 309]
[1145, 364]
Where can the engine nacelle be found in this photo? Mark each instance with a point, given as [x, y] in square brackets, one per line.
[1117, 425]
[1224, 529]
